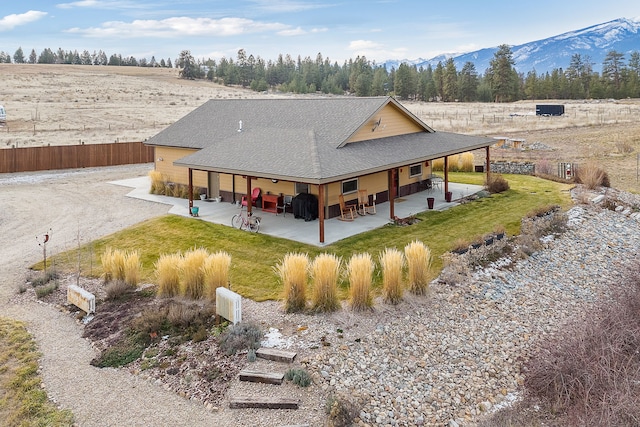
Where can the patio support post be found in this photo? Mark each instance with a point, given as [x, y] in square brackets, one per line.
[321, 190]
[488, 163]
[446, 174]
[392, 192]
[248, 195]
[190, 190]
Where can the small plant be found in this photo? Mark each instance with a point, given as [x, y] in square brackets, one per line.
[392, 263]
[216, 272]
[192, 273]
[325, 271]
[251, 355]
[298, 376]
[292, 271]
[418, 257]
[544, 167]
[241, 336]
[167, 270]
[495, 183]
[341, 410]
[359, 269]
[45, 278]
[43, 291]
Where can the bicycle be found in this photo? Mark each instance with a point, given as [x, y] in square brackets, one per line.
[247, 222]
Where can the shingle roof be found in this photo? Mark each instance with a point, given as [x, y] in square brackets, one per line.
[301, 139]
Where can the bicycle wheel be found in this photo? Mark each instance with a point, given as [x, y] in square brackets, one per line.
[236, 221]
[254, 225]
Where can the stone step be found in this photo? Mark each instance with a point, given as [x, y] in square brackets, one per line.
[261, 377]
[276, 354]
[263, 403]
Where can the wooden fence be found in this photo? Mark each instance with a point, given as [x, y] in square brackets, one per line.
[73, 156]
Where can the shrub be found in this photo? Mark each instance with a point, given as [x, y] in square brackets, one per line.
[192, 273]
[544, 167]
[359, 269]
[116, 289]
[467, 161]
[325, 271]
[167, 270]
[292, 271]
[392, 263]
[592, 176]
[46, 277]
[418, 257]
[251, 355]
[298, 376]
[341, 410]
[590, 370]
[437, 165]
[216, 272]
[455, 269]
[495, 183]
[241, 336]
[132, 268]
[157, 182]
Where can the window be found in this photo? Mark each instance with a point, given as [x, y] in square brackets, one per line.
[415, 170]
[350, 186]
[302, 187]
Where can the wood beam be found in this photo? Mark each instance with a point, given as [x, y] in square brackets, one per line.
[190, 190]
[446, 174]
[392, 192]
[321, 190]
[488, 163]
[249, 204]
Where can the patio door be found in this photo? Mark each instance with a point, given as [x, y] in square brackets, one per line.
[214, 184]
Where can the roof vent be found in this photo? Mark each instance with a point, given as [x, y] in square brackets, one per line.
[240, 126]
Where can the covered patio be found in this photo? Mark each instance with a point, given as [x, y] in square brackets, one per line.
[288, 227]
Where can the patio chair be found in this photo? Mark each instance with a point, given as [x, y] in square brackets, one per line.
[347, 212]
[286, 202]
[363, 203]
[255, 195]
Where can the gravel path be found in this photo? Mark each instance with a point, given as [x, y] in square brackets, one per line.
[442, 359]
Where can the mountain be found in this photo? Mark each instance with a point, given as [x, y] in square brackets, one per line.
[621, 35]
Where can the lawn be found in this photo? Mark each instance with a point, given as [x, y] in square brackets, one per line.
[255, 255]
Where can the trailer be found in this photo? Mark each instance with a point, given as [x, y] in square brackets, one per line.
[549, 110]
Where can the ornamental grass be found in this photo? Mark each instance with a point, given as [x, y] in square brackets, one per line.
[392, 262]
[167, 271]
[293, 273]
[157, 182]
[113, 262]
[132, 268]
[325, 272]
[192, 273]
[359, 269]
[216, 273]
[467, 162]
[418, 257]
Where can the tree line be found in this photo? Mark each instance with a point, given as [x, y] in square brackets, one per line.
[500, 82]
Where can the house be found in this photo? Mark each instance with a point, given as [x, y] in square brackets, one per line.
[322, 146]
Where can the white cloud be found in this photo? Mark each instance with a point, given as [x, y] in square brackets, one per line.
[284, 6]
[179, 26]
[9, 22]
[363, 44]
[319, 30]
[101, 4]
[292, 32]
[375, 51]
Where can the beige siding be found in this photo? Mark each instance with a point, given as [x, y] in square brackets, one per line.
[177, 174]
[404, 172]
[374, 183]
[393, 122]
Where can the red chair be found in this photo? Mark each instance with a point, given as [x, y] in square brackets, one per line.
[255, 195]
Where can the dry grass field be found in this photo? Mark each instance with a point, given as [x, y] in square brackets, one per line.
[63, 104]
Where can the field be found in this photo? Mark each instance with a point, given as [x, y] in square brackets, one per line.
[63, 104]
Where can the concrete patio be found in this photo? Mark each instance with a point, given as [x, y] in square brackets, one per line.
[287, 227]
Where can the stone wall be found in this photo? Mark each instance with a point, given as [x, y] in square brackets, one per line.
[520, 168]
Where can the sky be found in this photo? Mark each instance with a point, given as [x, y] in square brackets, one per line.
[380, 30]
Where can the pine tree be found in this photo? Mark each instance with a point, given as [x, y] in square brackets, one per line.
[501, 74]
[18, 56]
